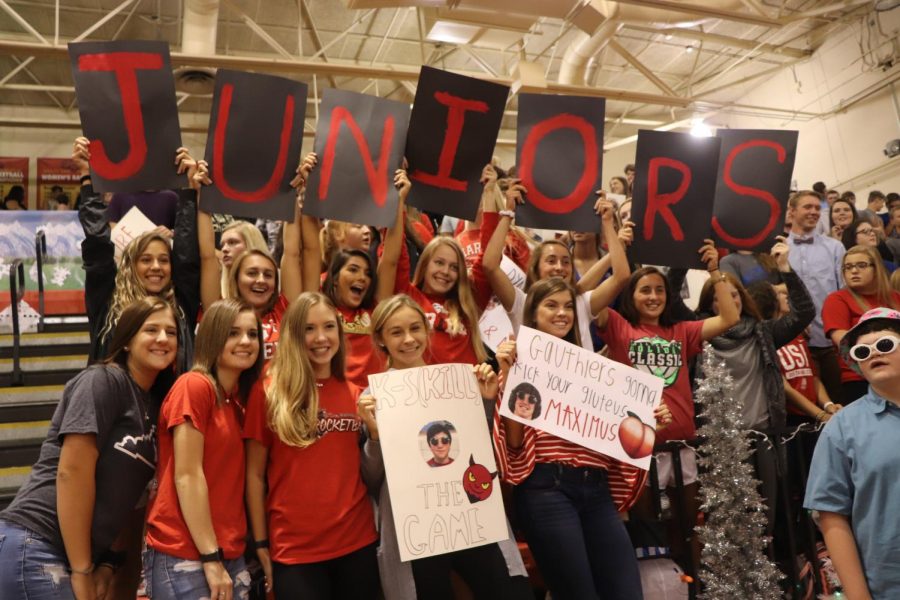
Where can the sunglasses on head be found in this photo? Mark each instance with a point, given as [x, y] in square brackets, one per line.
[884, 345]
[526, 396]
[439, 441]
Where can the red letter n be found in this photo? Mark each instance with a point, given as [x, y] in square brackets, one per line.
[270, 188]
[377, 176]
[661, 203]
[456, 116]
[124, 64]
[583, 188]
[745, 190]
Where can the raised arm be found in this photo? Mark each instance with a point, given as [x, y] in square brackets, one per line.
[592, 278]
[493, 252]
[186, 262]
[210, 269]
[729, 314]
[803, 311]
[606, 292]
[393, 243]
[311, 257]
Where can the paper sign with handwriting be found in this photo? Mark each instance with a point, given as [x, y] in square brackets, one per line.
[563, 389]
[132, 225]
[438, 460]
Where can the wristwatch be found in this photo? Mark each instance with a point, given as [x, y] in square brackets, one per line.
[217, 556]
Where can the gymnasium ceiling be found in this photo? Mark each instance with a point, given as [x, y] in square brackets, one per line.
[659, 63]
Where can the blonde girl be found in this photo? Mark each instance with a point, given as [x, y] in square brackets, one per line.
[441, 285]
[311, 519]
[401, 332]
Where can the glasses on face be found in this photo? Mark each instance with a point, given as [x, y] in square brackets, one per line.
[885, 345]
[860, 266]
[527, 397]
[439, 441]
[865, 232]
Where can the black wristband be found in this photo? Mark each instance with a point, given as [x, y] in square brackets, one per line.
[257, 544]
[84, 179]
[217, 556]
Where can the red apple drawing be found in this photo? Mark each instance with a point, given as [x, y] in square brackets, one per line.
[636, 437]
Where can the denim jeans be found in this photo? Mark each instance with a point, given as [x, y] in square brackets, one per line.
[172, 578]
[576, 535]
[30, 567]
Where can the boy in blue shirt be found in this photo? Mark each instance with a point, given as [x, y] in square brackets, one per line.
[854, 480]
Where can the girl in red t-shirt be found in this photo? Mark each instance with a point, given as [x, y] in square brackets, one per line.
[568, 497]
[310, 514]
[252, 274]
[401, 331]
[866, 286]
[196, 514]
[451, 298]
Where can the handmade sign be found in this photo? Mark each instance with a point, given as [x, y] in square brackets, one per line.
[438, 460]
[516, 275]
[559, 155]
[126, 99]
[753, 187]
[452, 130]
[253, 145]
[132, 225]
[580, 396]
[494, 324]
[359, 140]
[673, 197]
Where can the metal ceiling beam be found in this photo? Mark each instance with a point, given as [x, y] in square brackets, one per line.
[707, 11]
[307, 67]
[725, 40]
[314, 32]
[259, 31]
[634, 62]
[24, 24]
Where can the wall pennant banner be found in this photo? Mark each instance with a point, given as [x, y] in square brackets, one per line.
[55, 173]
[753, 187]
[126, 99]
[674, 184]
[438, 459]
[13, 172]
[452, 131]
[559, 155]
[253, 145]
[595, 402]
[359, 140]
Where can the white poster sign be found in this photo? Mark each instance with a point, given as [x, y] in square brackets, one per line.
[565, 390]
[438, 460]
[132, 225]
[512, 270]
[494, 324]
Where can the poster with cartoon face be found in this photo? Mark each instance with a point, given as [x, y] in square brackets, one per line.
[438, 459]
[563, 389]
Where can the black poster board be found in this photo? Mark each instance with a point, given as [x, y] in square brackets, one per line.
[126, 100]
[253, 145]
[359, 141]
[753, 187]
[559, 159]
[452, 132]
[674, 184]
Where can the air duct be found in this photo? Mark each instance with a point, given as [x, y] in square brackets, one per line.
[198, 37]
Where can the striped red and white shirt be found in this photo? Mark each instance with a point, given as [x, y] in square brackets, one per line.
[625, 481]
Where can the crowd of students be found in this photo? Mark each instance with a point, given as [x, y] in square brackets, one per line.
[225, 419]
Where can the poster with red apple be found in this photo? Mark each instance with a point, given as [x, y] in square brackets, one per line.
[574, 394]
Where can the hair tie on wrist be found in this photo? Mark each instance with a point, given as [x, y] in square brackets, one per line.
[507, 213]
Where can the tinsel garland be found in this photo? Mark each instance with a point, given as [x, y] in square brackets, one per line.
[734, 563]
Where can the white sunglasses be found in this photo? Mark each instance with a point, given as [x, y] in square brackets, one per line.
[884, 345]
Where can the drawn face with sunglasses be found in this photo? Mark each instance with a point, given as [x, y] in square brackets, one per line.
[525, 401]
[439, 442]
[876, 355]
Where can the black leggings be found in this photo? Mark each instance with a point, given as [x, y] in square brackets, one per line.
[353, 575]
[483, 568]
